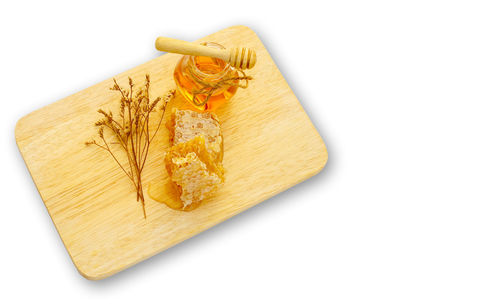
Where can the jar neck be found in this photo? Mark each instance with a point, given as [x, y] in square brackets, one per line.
[208, 69]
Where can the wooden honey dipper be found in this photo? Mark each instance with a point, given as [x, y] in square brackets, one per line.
[241, 58]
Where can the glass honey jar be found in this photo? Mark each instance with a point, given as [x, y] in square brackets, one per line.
[206, 82]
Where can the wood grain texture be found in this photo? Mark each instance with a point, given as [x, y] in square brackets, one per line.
[270, 145]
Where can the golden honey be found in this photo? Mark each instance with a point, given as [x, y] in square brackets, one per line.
[165, 191]
[206, 79]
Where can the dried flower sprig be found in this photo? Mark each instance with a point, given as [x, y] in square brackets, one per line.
[131, 130]
[210, 87]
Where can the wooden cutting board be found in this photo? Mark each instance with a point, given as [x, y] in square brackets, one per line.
[270, 145]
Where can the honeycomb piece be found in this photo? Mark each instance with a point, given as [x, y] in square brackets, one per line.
[188, 124]
[194, 171]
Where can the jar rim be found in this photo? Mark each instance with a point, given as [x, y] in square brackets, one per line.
[210, 76]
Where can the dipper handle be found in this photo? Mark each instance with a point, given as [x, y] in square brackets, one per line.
[241, 58]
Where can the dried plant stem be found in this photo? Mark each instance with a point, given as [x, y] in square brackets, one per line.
[132, 130]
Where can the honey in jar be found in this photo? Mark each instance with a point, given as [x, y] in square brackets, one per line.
[206, 79]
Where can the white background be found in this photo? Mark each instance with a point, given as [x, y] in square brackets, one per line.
[405, 95]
